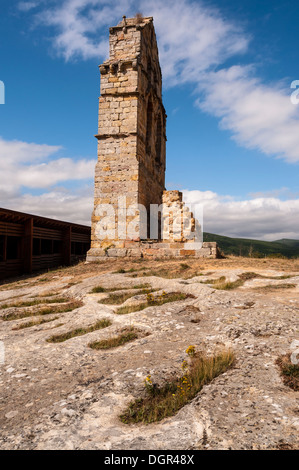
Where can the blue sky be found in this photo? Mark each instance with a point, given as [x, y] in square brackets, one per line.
[233, 132]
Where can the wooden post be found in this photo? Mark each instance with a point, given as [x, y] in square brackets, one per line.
[28, 245]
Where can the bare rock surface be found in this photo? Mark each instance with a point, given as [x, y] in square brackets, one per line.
[69, 396]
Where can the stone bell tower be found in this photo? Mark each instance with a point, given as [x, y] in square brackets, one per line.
[130, 172]
[132, 123]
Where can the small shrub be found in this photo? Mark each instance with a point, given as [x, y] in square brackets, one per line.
[98, 290]
[184, 266]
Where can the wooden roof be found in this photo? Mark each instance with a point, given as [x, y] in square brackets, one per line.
[7, 215]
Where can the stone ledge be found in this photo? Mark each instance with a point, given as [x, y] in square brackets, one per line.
[154, 251]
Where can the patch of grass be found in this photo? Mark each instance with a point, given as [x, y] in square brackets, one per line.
[129, 271]
[289, 372]
[184, 266]
[247, 276]
[31, 303]
[172, 272]
[71, 284]
[48, 294]
[100, 289]
[104, 323]
[127, 335]
[117, 299]
[57, 326]
[152, 302]
[279, 278]
[271, 287]
[238, 283]
[69, 307]
[142, 286]
[166, 401]
[229, 285]
[120, 271]
[34, 323]
[220, 280]
[165, 273]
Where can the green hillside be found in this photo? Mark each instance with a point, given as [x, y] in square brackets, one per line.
[254, 248]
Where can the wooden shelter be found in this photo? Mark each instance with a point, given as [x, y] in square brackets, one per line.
[30, 243]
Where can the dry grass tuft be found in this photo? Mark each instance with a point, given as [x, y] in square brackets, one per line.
[69, 307]
[100, 289]
[118, 299]
[104, 323]
[31, 303]
[289, 372]
[238, 283]
[154, 302]
[163, 402]
[29, 324]
[126, 335]
[272, 287]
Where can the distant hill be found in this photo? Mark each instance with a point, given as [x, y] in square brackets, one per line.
[255, 248]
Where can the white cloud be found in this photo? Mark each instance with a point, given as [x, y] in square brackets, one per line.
[17, 151]
[79, 26]
[32, 166]
[26, 6]
[29, 165]
[259, 116]
[194, 40]
[26, 164]
[264, 218]
[75, 206]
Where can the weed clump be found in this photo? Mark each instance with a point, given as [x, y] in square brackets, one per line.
[104, 323]
[100, 289]
[29, 324]
[289, 372]
[69, 307]
[33, 302]
[127, 335]
[117, 299]
[152, 301]
[162, 402]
